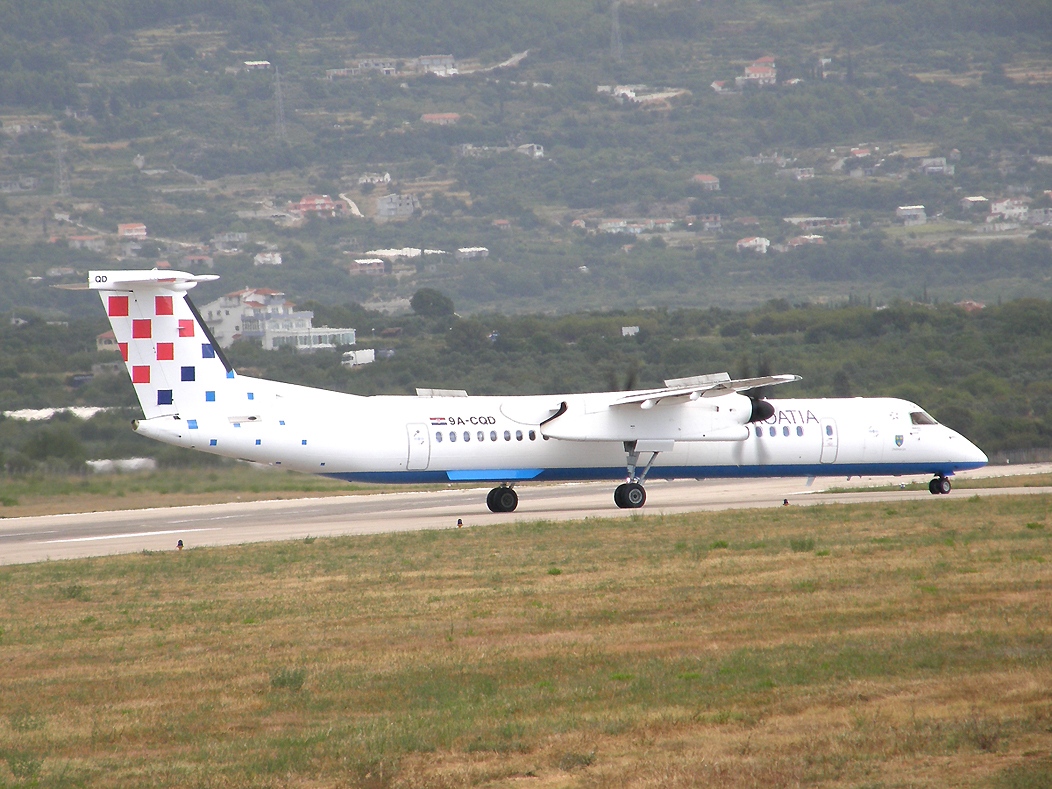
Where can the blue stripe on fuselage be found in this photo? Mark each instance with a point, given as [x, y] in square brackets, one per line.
[662, 472]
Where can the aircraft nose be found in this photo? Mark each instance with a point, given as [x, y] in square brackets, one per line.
[968, 453]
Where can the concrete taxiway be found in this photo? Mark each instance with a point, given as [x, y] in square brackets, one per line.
[58, 537]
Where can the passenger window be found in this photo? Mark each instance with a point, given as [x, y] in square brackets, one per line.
[785, 430]
[533, 436]
[467, 436]
[921, 418]
[507, 435]
[518, 435]
[438, 436]
[759, 432]
[452, 437]
[799, 431]
[773, 432]
[492, 435]
[481, 436]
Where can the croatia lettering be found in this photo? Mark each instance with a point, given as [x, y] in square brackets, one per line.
[792, 417]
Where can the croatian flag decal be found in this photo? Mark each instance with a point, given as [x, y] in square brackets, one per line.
[438, 420]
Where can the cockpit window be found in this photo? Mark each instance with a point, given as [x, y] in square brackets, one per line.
[921, 418]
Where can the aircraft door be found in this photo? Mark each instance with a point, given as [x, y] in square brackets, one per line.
[830, 445]
[419, 446]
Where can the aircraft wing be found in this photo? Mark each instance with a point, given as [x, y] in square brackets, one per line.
[698, 386]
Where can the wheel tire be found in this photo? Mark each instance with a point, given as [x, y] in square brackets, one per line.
[944, 485]
[933, 487]
[491, 500]
[635, 495]
[619, 496]
[506, 500]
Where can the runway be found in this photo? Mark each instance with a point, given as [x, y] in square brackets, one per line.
[59, 537]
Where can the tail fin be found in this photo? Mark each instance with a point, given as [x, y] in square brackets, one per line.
[174, 362]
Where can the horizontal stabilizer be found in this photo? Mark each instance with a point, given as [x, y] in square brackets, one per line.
[163, 279]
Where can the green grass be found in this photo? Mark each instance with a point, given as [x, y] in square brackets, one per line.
[632, 652]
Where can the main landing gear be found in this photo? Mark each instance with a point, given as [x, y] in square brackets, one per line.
[939, 485]
[631, 495]
[502, 499]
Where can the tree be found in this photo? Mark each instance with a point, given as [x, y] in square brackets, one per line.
[431, 303]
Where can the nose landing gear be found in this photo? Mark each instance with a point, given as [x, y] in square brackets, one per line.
[939, 485]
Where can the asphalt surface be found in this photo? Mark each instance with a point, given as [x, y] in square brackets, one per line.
[59, 537]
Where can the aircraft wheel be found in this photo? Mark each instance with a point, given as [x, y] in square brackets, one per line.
[635, 496]
[619, 495]
[933, 487]
[944, 484]
[502, 499]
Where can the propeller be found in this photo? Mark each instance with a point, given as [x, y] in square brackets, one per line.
[630, 377]
[761, 409]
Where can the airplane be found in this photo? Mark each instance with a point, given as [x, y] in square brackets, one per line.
[706, 426]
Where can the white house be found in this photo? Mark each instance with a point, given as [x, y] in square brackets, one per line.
[267, 259]
[243, 314]
[754, 244]
[1010, 208]
[911, 215]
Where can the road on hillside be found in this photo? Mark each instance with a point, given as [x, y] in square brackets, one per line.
[57, 537]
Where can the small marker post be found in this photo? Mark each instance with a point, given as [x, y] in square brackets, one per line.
[179, 545]
[460, 523]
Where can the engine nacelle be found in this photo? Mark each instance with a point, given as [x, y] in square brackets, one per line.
[714, 419]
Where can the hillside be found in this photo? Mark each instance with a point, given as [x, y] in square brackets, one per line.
[574, 164]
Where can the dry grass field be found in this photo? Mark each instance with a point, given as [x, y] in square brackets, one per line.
[901, 645]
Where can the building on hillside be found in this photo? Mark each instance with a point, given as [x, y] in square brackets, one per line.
[1009, 208]
[374, 178]
[469, 253]
[723, 89]
[754, 244]
[230, 241]
[441, 118]
[372, 267]
[442, 65]
[107, 341]
[532, 149]
[936, 165]
[386, 67]
[396, 206]
[762, 72]
[706, 223]
[245, 313]
[974, 202]
[800, 241]
[319, 205]
[911, 215]
[91, 243]
[709, 183]
[812, 222]
[306, 340]
[21, 183]
[257, 65]
[136, 230]
[267, 259]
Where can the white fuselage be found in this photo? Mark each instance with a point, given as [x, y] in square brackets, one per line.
[580, 436]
